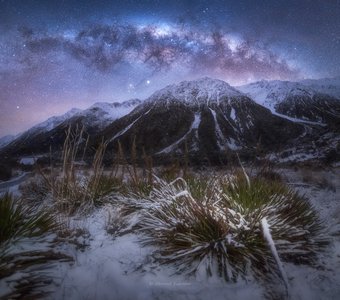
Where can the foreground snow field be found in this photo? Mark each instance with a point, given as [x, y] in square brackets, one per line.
[113, 266]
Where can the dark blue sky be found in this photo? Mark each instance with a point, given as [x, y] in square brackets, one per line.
[55, 55]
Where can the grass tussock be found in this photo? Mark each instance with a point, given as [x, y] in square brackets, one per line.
[71, 189]
[18, 220]
[74, 191]
[21, 222]
[215, 225]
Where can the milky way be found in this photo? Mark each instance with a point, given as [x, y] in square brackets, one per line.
[60, 54]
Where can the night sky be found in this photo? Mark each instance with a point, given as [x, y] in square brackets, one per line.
[55, 55]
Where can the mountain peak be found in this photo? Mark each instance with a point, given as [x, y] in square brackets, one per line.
[198, 91]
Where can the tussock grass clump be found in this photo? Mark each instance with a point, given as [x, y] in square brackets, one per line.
[216, 225]
[74, 191]
[18, 220]
[294, 224]
[22, 222]
[103, 185]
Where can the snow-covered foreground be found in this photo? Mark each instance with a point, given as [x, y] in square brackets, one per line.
[119, 267]
[322, 282]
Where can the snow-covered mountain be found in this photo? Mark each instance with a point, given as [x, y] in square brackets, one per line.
[98, 115]
[41, 128]
[207, 117]
[52, 131]
[101, 114]
[54, 121]
[196, 92]
[204, 119]
[270, 93]
[296, 100]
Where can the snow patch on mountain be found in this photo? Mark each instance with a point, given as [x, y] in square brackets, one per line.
[120, 133]
[194, 126]
[232, 145]
[102, 114]
[219, 134]
[232, 114]
[295, 119]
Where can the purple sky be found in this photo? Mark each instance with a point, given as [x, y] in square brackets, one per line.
[55, 55]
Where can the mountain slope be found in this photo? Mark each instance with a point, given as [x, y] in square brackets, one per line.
[204, 120]
[27, 141]
[100, 114]
[207, 117]
[296, 100]
[51, 132]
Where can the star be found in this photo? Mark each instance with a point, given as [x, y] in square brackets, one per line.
[131, 88]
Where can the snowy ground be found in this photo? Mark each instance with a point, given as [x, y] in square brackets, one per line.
[118, 267]
[322, 282]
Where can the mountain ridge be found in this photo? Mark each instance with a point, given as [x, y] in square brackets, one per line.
[206, 117]
[296, 100]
